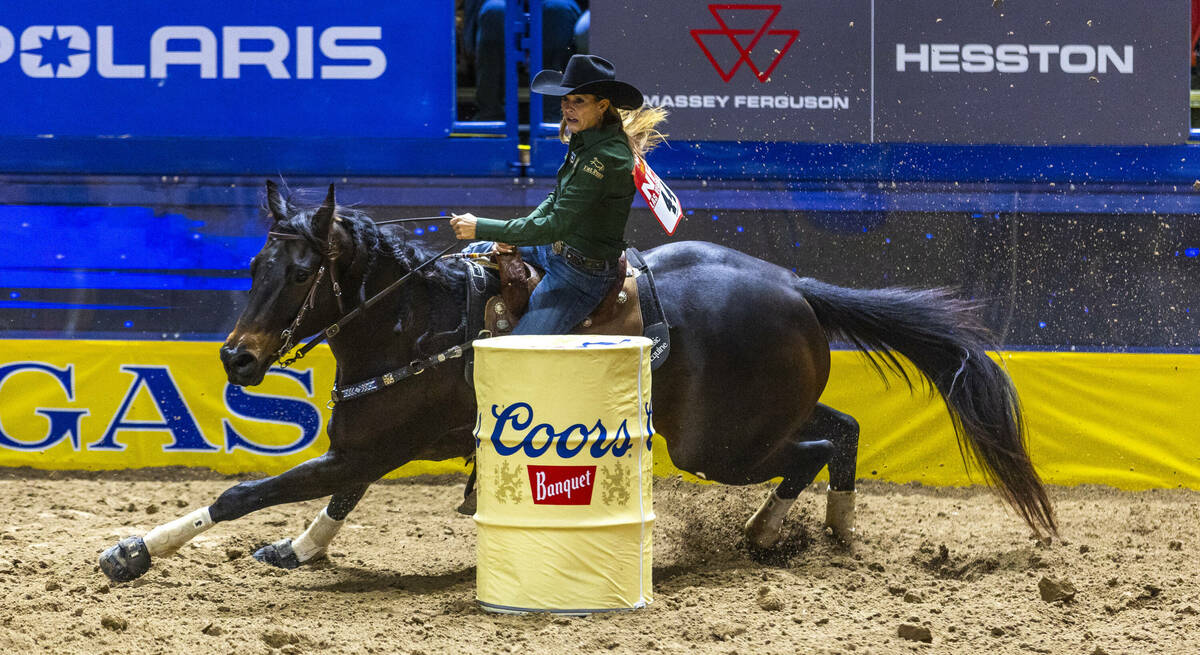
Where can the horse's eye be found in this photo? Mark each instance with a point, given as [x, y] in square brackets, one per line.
[301, 277]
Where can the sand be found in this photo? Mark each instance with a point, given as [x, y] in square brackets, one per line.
[937, 570]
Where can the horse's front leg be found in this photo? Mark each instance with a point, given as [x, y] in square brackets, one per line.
[313, 542]
[331, 473]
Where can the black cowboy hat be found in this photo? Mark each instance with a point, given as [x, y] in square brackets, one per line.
[588, 74]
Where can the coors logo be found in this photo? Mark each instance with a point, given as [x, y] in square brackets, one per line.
[562, 485]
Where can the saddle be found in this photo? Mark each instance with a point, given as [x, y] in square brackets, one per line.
[618, 313]
[630, 308]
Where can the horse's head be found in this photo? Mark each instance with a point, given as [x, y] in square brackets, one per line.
[291, 292]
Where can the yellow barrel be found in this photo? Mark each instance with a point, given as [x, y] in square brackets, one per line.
[564, 473]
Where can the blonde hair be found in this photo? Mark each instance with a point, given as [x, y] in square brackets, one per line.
[639, 125]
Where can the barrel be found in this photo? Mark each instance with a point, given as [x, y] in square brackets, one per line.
[563, 473]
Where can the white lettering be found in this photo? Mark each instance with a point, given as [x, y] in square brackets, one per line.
[330, 47]
[1011, 58]
[1107, 54]
[542, 491]
[944, 58]
[920, 57]
[1043, 53]
[304, 53]
[1072, 59]
[1089, 59]
[748, 102]
[104, 58]
[161, 56]
[977, 58]
[7, 44]
[234, 57]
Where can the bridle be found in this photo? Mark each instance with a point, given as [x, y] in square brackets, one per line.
[329, 258]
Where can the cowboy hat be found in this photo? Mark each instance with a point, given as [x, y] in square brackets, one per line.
[588, 74]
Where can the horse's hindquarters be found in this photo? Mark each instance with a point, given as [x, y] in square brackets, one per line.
[748, 361]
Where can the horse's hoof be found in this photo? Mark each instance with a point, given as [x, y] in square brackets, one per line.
[765, 529]
[469, 504]
[839, 515]
[278, 554]
[126, 561]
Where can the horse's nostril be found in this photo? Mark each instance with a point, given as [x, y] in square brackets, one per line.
[243, 362]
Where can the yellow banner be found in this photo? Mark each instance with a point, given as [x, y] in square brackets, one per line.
[103, 405]
[1126, 420]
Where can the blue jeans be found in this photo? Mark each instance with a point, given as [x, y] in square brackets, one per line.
[565, 296]
[558, 34]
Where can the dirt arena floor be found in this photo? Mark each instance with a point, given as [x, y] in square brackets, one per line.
[933, 570]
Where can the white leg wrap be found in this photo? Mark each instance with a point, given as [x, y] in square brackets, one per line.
[839, 513]
[764, 529]
[316, 538]
[168, 537]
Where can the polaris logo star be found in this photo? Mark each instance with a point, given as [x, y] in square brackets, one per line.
[66, 51]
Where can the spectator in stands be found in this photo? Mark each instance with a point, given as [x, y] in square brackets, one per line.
[583, 27]
[483, 38]
[577, 235]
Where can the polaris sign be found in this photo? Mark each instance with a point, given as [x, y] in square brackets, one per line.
[148, 69]
[65, 51]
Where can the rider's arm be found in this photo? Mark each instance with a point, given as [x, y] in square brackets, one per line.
[581, 192]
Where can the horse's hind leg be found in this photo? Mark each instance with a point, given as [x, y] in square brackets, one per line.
[843, 470]
[313, 542]
[830, 437]
[326, 475]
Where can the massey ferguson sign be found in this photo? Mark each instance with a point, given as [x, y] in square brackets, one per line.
[1037, 72]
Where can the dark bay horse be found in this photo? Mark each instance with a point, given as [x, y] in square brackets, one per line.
[736, 402]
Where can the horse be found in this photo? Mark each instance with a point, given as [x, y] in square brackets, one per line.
[737, 400]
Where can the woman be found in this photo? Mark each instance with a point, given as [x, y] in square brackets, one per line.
[577, 234]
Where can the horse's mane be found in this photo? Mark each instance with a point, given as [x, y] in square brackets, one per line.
[373, 243]
[392, 242]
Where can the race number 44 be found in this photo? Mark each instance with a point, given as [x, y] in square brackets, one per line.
[661, 200]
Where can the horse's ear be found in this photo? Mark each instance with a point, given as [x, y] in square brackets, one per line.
[324, 216]
[275, 204]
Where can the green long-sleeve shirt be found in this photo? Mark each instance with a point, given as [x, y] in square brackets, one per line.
[590, 203]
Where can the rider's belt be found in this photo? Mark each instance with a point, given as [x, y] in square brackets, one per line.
[579, 260]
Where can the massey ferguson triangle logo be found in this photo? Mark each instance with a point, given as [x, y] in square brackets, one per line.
[745, 39]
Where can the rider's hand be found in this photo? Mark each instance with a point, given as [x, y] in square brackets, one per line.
[464, 225]
[504, 248]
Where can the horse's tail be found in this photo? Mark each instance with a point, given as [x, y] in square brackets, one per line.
[942, 336]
